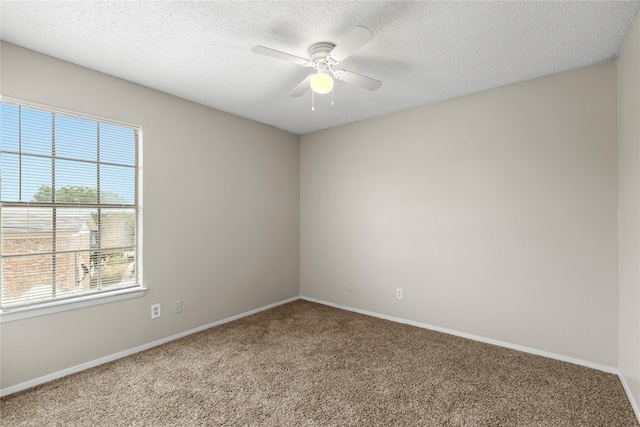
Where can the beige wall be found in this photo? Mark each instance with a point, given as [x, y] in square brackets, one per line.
[496, 213]
[221, 231]
[629, 207]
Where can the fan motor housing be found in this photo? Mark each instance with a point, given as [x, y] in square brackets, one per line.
[320, 51]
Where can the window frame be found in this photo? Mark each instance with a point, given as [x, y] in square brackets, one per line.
[97, 297]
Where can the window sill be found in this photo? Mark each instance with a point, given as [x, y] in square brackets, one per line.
[76, 303]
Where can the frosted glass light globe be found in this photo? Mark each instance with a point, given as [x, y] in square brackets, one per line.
[321, 83]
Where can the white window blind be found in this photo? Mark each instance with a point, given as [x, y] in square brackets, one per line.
[69, 206]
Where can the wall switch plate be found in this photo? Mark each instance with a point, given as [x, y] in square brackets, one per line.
[399, 294]
[177, 307]
[156, 311]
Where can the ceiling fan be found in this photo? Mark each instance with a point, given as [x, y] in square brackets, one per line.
[324, 57]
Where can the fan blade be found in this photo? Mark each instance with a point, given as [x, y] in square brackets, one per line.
[353, 41]
[358, 80]
[302, 87]
[261, 50]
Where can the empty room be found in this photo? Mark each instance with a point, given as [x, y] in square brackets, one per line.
[319, 213]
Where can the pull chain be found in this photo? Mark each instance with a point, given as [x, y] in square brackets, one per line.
[313, 100]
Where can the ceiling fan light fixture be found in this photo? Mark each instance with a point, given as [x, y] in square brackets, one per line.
[321, 83]
[323, 56]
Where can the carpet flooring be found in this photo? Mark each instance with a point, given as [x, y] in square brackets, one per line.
[306, 364]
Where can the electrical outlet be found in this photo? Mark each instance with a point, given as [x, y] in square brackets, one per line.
[399, 294]
[177, 307]
[156, 311]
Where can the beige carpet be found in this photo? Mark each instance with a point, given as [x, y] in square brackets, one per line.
[304, 364]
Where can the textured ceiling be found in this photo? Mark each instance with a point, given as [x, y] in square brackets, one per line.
[423, 52]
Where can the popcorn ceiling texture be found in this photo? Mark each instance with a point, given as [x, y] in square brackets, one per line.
[305, 364]
[423, 52]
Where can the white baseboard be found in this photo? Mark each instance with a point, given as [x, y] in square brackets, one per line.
[535, 351]
[78, 368]
[83, 366]
[627, 390]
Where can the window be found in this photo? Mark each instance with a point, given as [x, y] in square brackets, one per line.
[70, 216]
